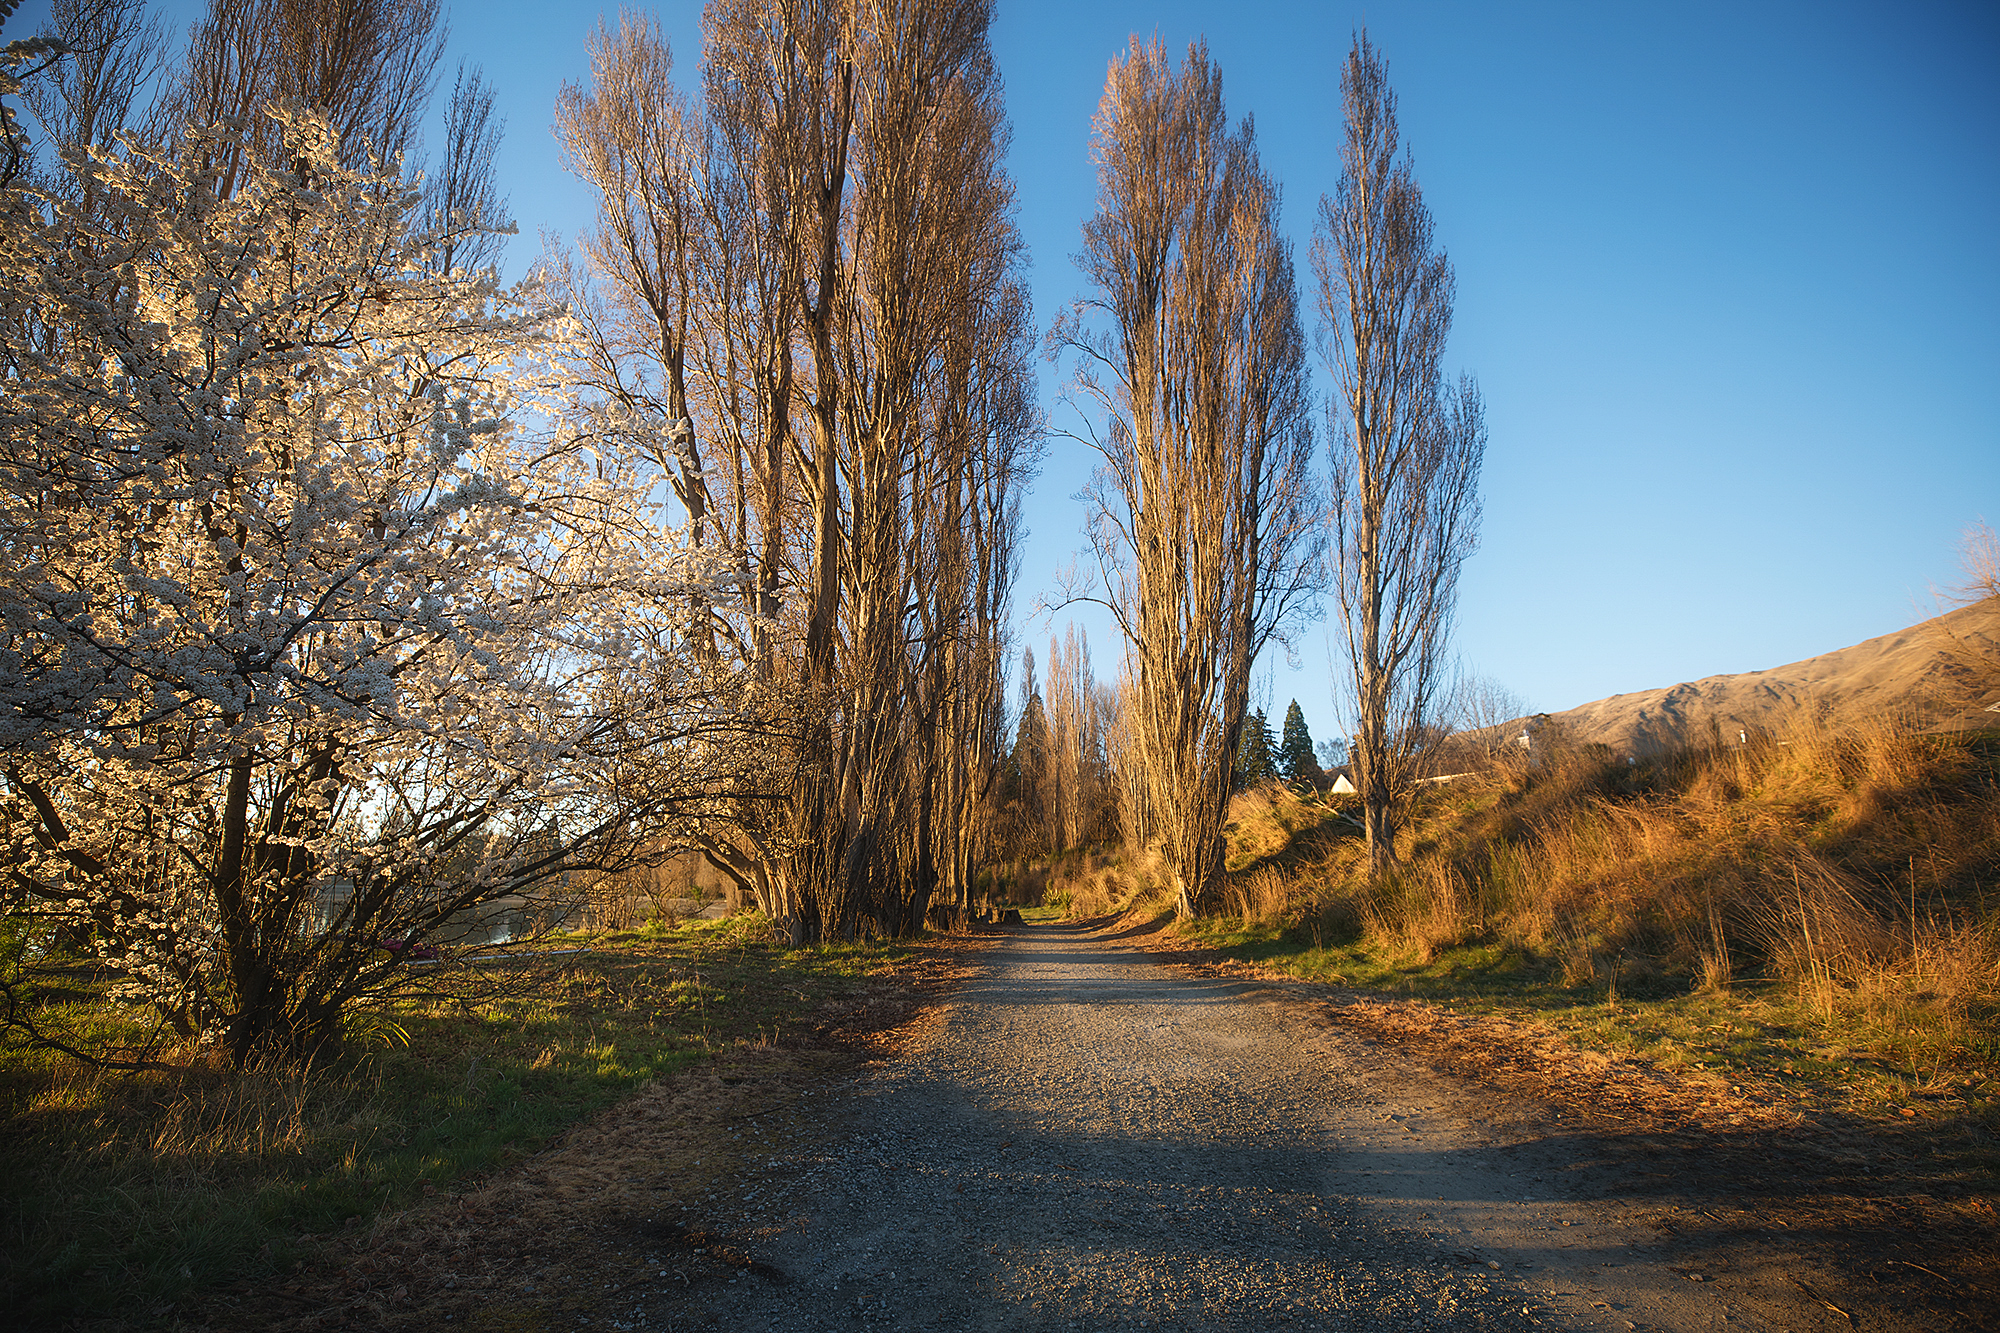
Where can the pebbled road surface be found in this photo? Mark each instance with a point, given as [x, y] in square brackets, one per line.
[1092, 1139]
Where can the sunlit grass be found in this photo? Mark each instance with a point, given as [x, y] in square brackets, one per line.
[1815, 912]
[1758, 1032]
[128, 1191]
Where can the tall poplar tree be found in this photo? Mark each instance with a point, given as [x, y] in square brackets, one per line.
[1408, 445]
[1202, 515]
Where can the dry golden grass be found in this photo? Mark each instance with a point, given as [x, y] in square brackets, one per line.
[1263, 821]
[1855, 865]
[1100, 881]
[1257, 895]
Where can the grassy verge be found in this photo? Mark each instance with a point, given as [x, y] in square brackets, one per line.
[126, 1192]
[1759, 1031]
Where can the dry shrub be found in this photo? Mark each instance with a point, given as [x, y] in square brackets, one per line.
[262, 1115]
[1024, 883]
[1579, 962]
[1745, 851]
[612, 907]
[1951, 970]
[1422, 909]
[1844, 952]
[1262, 821]
[1717, 970]
[1102, 881]
[662, 893]
[1094, 890]
[1817, 930]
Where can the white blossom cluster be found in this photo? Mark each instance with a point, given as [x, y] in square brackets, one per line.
[306, 643]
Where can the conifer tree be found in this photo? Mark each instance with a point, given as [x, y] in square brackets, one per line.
[1295, 751]
[1256, 754]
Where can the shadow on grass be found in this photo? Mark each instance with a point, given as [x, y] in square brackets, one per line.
[129, 1192]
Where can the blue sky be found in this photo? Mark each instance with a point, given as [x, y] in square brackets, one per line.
[1727, 274]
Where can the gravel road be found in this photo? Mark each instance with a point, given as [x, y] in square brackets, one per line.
[1093, 1139]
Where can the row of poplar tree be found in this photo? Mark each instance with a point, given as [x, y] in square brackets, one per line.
[349, 589]
[1066, 782]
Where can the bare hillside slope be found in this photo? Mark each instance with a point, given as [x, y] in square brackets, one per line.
[1947, 667]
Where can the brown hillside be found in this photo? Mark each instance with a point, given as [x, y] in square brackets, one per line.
[1947, 669]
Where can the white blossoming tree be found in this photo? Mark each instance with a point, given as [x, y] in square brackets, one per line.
[308, 644]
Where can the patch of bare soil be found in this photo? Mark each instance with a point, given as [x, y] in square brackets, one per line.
[546, 1241]
[1868, 1222]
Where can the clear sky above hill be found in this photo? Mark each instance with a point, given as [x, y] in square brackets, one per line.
[1727, 274]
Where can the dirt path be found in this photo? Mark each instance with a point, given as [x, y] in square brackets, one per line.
[1093, 1139]
[1090, 1136]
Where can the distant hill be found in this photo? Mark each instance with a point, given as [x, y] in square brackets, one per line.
[1946, 669]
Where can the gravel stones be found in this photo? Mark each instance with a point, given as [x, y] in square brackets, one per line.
[1090, 1141]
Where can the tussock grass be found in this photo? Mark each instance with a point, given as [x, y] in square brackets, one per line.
[129, 1191]
[1848, 876]
[1270, 829]
[1102, 880]
[1266, 822]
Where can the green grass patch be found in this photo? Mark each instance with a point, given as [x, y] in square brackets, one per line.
[127, 1192]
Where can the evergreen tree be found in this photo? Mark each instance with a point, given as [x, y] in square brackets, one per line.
[1025, 771]
[1256, 754]
[1295, 752]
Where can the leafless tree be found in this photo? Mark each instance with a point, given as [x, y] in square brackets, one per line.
[635, 140]
[686, 320]
[1481, 708]
[461, 194]
[1138, 826]
[1972, 664]
[114, 48]
[1407, 445]
[368, 65]
[1075, 709]
[809, 298]
[1203, 515]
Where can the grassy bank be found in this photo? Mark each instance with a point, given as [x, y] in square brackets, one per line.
[1759, 1032]
[1819, 912]
[127, 1192]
